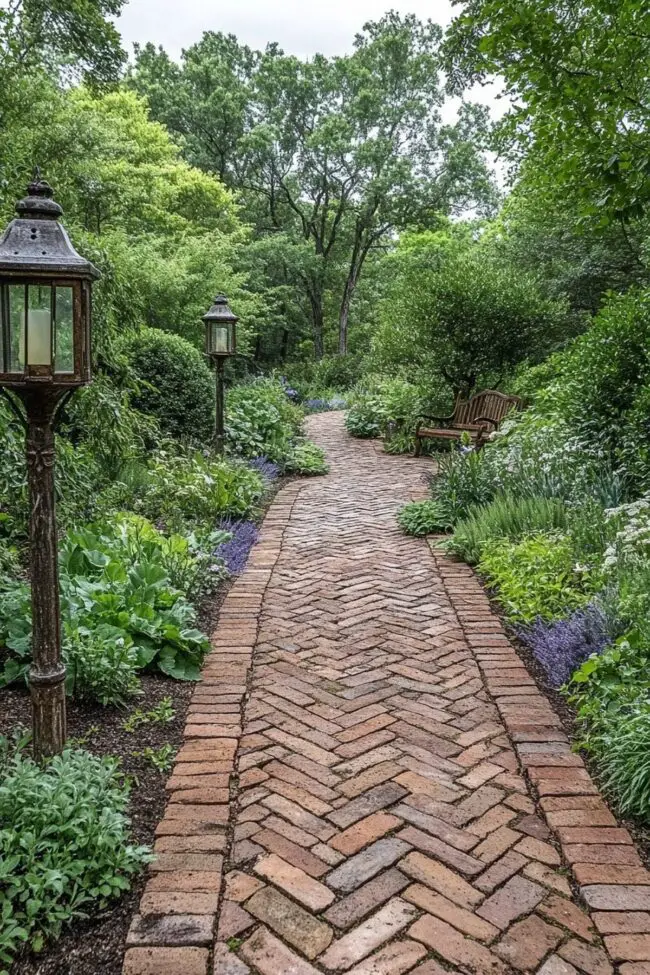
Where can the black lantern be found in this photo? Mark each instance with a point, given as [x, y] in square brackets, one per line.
[220, 332]
[45, 316]
[45, 305]
[220, 342]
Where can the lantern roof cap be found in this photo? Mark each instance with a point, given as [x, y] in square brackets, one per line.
[220, 312]
[35, 242]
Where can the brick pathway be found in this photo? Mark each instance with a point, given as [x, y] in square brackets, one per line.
[400, 797]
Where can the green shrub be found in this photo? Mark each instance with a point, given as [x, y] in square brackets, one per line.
[190, 488]
[261, 421]
[102, 419]
[605, 370]
[387, 406]
[361, 421]
[332, 373]
[463, 481]
[306, 459]
[78, 480]
[402, 443]
[101, 664]
[176, 385]
[607, 687]
[64, 843]
[506, 517]
[422, 518]
[590, 533]
[534, 578]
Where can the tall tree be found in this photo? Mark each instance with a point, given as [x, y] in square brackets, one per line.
[76, 37]
[335, 154]
[578, 74]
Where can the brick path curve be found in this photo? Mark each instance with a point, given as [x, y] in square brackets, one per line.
[370, 781]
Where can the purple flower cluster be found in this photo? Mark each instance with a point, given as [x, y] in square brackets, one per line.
[266, 467]
[316, 405]
[288, 390]
[235, 552]
[562, 646]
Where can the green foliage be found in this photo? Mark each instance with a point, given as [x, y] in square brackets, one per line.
[507, 517]
[330, 375]
[534, 578]
[102, 419]
[161, 758]
[609, 688]
[176, 384]
[261, 421]
[603, 380]
[625, 762]
[101, 663]
[65, 37]
[371, 114]
[422, 518]
[123, 605]
[574, 72]
[186, 490]
[390, 407]
[306, 459]
[162, 713]
[468, 318]
[463, 481]
[64, 843]
[361, 421]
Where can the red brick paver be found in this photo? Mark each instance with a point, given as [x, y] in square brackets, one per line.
[371, 782]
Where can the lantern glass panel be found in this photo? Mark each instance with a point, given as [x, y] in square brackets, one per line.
[64, 321]
[15, 353]
[220, 339]
[39, 326]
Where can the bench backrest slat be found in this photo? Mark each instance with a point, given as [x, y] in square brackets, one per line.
[489, 403]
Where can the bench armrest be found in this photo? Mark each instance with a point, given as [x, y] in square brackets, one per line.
[487, 419]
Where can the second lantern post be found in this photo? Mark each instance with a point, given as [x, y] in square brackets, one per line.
[220, 343]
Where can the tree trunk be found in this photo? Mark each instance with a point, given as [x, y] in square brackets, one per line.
[317, 322]
[344, 313]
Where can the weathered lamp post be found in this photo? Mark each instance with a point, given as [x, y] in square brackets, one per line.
[220, 342]
[45, 312]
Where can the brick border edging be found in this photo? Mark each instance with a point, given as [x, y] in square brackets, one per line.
[175, 929]
[601, 855]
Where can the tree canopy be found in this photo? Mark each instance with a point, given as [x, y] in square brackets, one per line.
[330, 156]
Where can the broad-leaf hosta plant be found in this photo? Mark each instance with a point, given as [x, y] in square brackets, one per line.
[124, 607]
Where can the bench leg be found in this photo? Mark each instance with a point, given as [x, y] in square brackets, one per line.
[418, 446]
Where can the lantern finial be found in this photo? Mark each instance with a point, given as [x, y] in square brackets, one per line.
[39, 203]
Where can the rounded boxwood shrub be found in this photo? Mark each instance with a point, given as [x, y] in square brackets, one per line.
[176, 386]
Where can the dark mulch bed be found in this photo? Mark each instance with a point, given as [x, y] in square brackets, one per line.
[95, 946]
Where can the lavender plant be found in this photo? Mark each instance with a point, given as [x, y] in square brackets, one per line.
[265, 467]
[562, 646]
[235, 551]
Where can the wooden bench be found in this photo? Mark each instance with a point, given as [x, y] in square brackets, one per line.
[478, 416]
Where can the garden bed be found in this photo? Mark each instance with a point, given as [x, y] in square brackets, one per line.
[95, 946]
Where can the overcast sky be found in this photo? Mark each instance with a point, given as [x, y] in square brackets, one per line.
[302, 27]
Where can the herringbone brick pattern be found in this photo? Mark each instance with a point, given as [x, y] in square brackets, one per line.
[371, 782]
